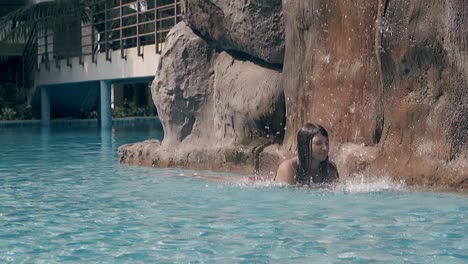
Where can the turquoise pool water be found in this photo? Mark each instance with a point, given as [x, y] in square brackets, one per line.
[64, 198]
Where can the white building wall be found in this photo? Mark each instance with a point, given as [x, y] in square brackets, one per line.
[117, 69]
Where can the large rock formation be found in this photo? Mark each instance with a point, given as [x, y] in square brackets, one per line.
[331, 73]
[214, 109]
[425, 87]
[254, 27]
[393, 94]
[389, 79]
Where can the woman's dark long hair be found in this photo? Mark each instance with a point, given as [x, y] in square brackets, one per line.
[304, 137]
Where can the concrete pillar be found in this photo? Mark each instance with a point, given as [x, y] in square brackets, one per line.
[45, 106]
[105, 105]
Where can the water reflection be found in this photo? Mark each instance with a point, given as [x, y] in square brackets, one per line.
[107, 142]
[45, 140]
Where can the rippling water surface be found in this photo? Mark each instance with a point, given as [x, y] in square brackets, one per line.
[65, 198]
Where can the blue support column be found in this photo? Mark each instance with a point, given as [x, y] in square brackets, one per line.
[45, 106]
[105, 111]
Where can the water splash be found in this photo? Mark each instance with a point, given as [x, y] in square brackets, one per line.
[363, 184]
[262, 184]
[358, 183]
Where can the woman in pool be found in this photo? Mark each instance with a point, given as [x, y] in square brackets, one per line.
[311, 165]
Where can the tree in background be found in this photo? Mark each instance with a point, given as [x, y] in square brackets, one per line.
[17, 28]
[18, 25]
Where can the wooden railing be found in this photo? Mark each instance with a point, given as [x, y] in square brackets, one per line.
[113, 25]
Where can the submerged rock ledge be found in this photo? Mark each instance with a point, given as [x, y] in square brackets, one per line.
[150, 153]
[388, 79]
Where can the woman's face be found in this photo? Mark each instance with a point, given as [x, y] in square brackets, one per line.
[319, 147]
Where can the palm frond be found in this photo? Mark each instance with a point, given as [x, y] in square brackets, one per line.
[17, 25]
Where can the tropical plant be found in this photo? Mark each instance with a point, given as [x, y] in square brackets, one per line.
[8, 95]
[92, 114]
[25, 112]
[18, 25]
[7, 113]
[132, 110]
[119, 112]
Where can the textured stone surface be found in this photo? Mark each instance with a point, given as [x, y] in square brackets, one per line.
[183, 84]
[425, 77]
[248, 102]
[216, 111]
[388, 79]
[400, 88]
[331, 71]
[254, 27]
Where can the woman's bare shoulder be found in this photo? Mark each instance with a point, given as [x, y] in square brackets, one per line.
[287, 171]
[290, 163]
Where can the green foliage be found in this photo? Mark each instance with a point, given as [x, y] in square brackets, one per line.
[92, 114]
[119, 112]
[13, 103]
[7, 113]
[25, 112]
[144, 111]
[8, 95]
[132, 110]
[43, 16]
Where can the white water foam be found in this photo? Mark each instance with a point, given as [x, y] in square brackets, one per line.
[355, 184]
[363, 184]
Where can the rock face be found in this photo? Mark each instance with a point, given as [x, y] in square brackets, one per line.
[425, 77]
[387, 78]
[331, 73]
[211, 115]
[183, 84]
[254, 27]
[398, 91]
[248, 102]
